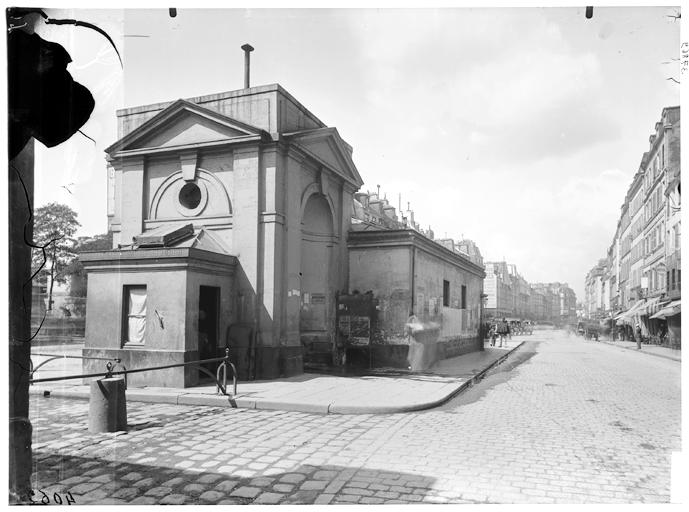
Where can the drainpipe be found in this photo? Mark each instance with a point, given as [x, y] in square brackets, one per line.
[413, 272]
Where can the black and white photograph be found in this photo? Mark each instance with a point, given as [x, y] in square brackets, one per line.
[355, 254]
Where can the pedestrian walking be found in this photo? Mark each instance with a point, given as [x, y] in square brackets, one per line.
[493, 334]
[503, 331]
[638, 337]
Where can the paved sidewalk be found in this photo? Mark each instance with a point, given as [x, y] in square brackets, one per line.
[655, 350]
[315, 393]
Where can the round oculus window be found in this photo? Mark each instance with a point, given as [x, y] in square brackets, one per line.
[190, 196]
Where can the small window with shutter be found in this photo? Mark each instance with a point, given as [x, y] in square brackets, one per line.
[134, 320]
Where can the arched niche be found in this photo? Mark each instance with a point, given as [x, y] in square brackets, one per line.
[317, 239]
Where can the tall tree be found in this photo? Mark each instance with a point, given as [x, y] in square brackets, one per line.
[54, 227]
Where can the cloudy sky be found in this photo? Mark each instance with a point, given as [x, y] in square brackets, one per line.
[518, 128]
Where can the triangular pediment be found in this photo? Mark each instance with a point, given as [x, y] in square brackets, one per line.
[326, 146]
[183, 124]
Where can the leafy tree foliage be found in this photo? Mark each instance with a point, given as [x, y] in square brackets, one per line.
[75, 269]
[54, 227]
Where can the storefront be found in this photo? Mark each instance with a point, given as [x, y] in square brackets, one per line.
[671, 314]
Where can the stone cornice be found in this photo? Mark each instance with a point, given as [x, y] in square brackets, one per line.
[157, 259]
[235, 141]
[660, 133]
[171, 113]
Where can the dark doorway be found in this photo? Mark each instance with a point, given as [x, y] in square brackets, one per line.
[209, 305]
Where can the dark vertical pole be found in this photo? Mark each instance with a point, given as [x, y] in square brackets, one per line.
[247, 63]
[413, 272]
[20, 320]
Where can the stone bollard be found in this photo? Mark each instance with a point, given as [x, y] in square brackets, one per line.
[107, 405]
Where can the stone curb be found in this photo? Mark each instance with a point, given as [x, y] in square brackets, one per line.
[136, 395]
[354, 409]
[612, 343]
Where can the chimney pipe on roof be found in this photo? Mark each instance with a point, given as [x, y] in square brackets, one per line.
[247, 50]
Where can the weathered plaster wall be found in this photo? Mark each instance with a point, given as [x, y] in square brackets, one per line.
[105, 320]
[438, 331]
[387, 273]
[166, 292]
[430, 274]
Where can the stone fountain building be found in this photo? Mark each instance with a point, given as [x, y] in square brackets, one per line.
[229, 215]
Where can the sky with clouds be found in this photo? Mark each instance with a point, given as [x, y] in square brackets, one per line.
[520, 128]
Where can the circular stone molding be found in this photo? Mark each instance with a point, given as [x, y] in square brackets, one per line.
[191, 197]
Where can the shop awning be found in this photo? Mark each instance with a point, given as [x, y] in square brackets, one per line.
[671, 309]
[649, 307]
[627, 315]
[631, 310]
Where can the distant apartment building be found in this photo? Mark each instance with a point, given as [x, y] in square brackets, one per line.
[499, 290]
[673, 225]
[568, 305]
[636, 213]
[624, 242]
[551, 301]
[594, 290]
[614, 282]
[655, 212]
[537, 305]
[509, 295]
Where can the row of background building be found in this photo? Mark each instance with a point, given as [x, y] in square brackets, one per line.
[638, 282]
[509, 295]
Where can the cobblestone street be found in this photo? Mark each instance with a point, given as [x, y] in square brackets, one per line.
[563, 420]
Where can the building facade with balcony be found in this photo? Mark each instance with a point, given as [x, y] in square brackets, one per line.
[642, 271]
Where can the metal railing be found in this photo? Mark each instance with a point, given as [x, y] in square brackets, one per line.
[222, 387]
[53, 357]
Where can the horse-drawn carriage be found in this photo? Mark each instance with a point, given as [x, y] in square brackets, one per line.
[519, 326]
[589, 330]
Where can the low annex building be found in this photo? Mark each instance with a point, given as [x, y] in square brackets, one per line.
[429, 296]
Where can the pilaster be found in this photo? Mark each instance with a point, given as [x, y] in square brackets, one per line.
[132, 207]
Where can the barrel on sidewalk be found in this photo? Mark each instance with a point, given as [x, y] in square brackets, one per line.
[108, 405]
